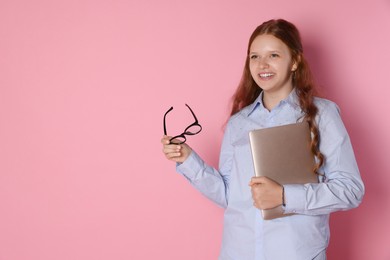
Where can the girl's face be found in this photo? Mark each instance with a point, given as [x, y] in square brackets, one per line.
[271, 65]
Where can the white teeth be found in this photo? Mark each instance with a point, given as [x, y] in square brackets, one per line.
[266, 75]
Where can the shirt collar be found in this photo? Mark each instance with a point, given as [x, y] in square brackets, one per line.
[258, 102]
[292, 99]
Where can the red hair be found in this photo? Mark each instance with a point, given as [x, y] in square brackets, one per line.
[302, 79]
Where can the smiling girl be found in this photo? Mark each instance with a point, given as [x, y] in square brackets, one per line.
[276, 89]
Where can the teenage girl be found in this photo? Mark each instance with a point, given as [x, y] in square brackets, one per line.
[276, 89]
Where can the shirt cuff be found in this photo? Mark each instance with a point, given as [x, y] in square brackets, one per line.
[191, 166]
[295, 198]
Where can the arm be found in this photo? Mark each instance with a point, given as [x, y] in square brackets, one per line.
[209, 181]
[343, 188]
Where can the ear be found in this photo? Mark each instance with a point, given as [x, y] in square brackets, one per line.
[294, 66]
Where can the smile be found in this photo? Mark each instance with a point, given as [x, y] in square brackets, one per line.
[266, 75]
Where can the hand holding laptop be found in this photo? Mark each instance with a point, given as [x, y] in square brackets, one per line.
[266, 193]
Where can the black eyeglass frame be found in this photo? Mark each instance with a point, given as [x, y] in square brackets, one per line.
[182, 136]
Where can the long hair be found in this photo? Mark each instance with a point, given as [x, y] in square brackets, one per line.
[302, 79]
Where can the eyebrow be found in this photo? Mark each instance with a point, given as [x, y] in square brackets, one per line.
[274, 51]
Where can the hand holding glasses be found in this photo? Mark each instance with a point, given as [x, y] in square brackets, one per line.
[192, 129]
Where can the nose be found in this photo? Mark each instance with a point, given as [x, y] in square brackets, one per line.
[262, 63]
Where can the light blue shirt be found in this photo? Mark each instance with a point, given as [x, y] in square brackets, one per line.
[302, 236]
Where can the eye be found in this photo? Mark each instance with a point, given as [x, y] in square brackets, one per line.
[253, 56]
[274, 55]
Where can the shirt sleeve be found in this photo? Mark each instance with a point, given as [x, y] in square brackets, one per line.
[212, 183]
[343, 187]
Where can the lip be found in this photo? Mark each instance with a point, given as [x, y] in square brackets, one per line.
[266, 75]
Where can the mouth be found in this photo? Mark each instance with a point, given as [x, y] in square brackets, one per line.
[266, 75]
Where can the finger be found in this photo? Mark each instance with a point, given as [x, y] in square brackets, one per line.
[165, 139]
[172, 155]
[257, 180]
[256, 191]
[266, 180]
[171, 151]
[171, 148]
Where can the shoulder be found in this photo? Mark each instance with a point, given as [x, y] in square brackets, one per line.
[327, 110]
[237, 126]
[325, 105]
[329, 118]
[238, 118]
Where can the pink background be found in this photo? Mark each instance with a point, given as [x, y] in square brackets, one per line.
[83, 88]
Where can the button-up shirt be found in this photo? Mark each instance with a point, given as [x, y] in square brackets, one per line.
[304, 235]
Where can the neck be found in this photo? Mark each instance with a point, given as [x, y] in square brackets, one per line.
[272, 99]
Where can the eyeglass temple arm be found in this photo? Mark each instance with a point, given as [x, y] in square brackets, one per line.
[165, 128]
[193, 114]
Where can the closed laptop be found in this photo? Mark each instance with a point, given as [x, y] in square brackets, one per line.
[283, 153]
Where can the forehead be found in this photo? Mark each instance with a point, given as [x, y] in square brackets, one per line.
[267, 42]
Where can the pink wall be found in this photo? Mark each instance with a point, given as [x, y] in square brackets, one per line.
[84, 85]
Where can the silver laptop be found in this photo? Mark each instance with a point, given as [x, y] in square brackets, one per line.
[283, 154]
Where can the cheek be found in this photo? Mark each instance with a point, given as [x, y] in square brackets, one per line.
[281, 67]
[252, 68]
[254, 76]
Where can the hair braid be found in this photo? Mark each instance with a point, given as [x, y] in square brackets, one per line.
[305, 92]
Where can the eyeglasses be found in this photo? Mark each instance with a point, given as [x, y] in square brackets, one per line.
[192, 129]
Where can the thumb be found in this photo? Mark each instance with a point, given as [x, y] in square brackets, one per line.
[258, 180]
[165, 139]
